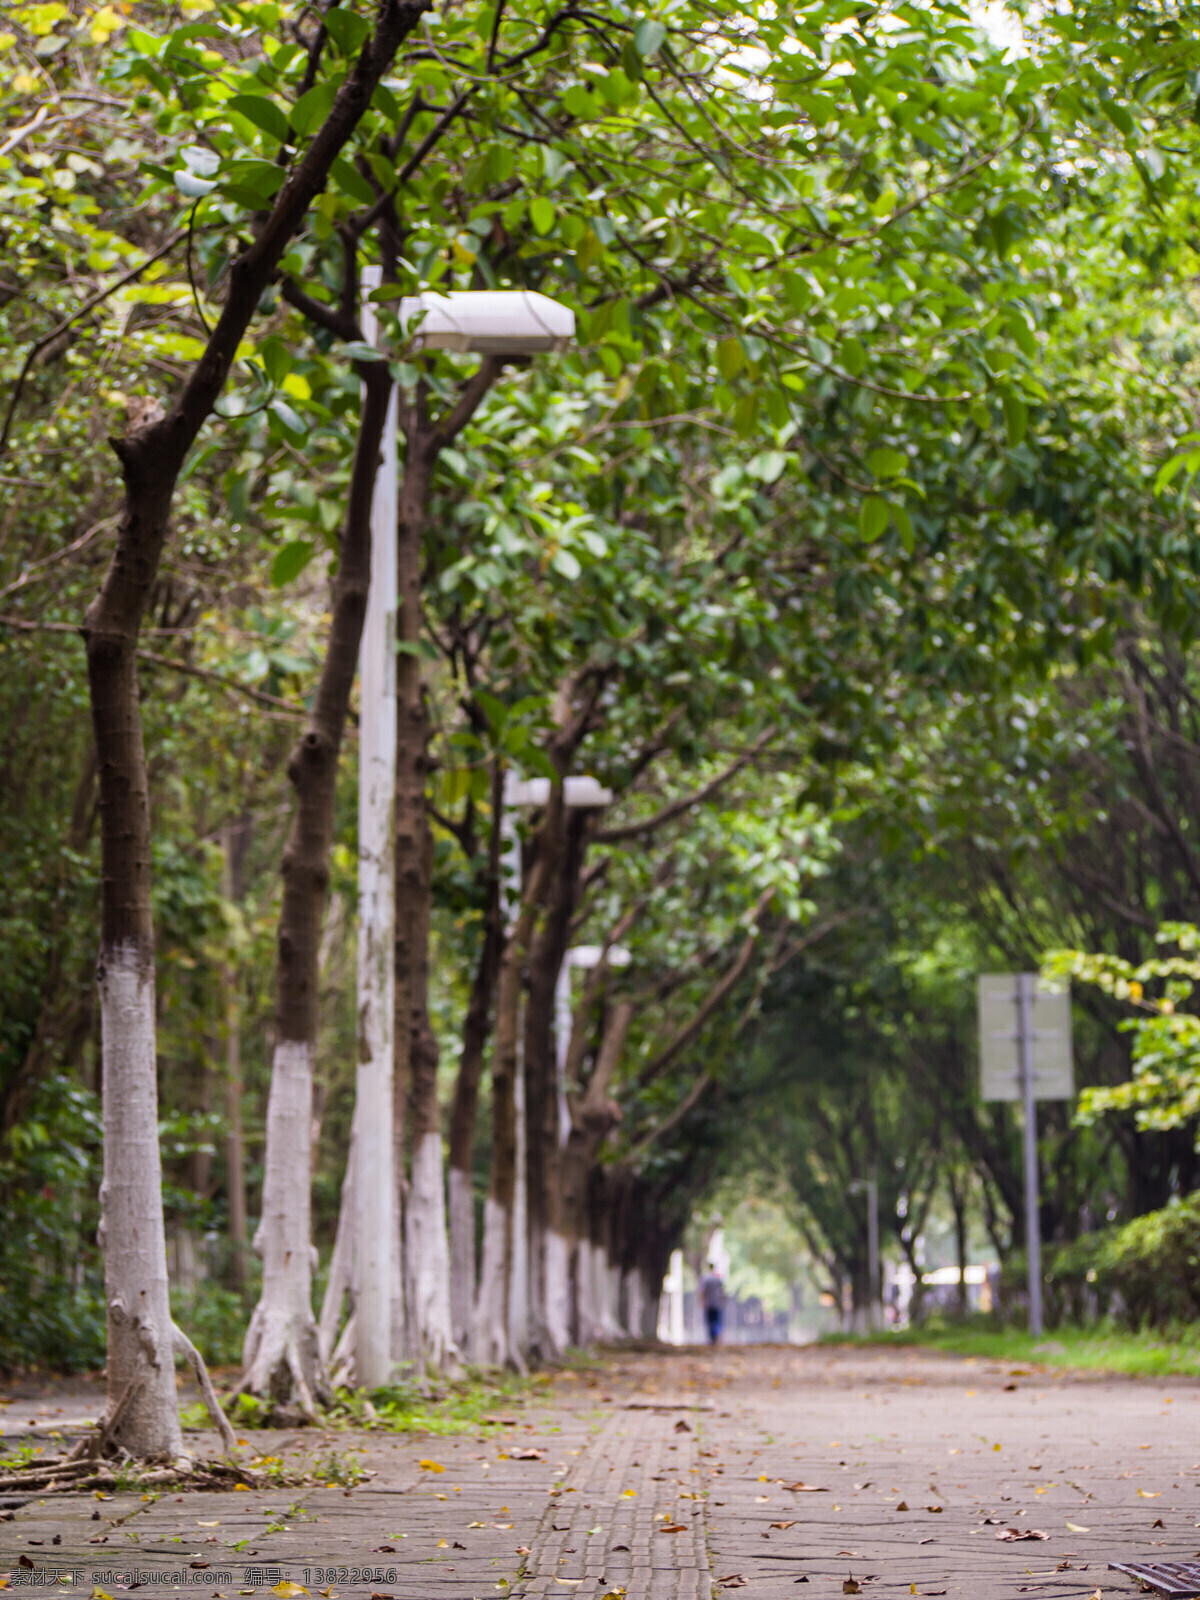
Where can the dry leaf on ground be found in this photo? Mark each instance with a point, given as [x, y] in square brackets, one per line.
[1016, 1535]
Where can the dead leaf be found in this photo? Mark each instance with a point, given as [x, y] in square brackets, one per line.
[381, 1594]
[613, 1547]
[935, 1508]
[1147, 1495]
[1017, 1535]
[208, 1524]
[457, 1546]
[431, 1466]
[285, 1589]
[805, 1488]
[849, 1586]
[802, 1579]
[202, 1566]
[682, 1427]
[1158, 1523]
[23, 1560]
[732, 1580]
[783, 1526]
[926, 1541]
[329, 1594]
[531, 1454]
[442, 1545]
[903, 1506]
[673, 1527]
[629, 1494]
[99, 1594]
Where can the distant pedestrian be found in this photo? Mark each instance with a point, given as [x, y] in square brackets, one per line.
[712, 1298]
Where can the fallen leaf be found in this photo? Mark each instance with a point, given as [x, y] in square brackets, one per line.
[381, 1594]
[99, 1594]
[23, 1560]
[203, 1566]
[1147, 1495]
[615, 1546]
[805, 1488]
[442, 1545]
[99, 1496]
[431, 1466]
[903, 1506]
[996, 1446]
[531, 1454]
[760, 1498]
[849, 1586]
[935, 1508]
[732, 1580]
[673, 1527]
[802, 1579]
[614, 1594]
[208, 1524]
[285, 1589]
[1158, 1523]
[329, 1594]
[784, 1525]
[926, 1541]
[682, 1427]
[1016, 1535]
[457, 1546]
[244, 1488]
[628, 1494]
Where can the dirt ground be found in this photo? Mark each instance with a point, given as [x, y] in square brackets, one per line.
[672, 1475]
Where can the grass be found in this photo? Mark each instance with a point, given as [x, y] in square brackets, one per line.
[474, 1403]
[1149, 1353]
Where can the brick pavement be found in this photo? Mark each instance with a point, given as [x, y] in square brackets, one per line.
[572, 1497]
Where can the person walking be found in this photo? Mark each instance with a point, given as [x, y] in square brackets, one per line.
[712, 1298]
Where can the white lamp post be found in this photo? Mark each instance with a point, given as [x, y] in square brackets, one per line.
[584, 956]
[506, 322]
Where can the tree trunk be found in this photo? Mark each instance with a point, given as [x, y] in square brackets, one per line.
[489, 1334]
[476, 1027]
[282, 1355]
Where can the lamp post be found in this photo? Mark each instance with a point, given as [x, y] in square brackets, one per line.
[581, 791]
[498, 323]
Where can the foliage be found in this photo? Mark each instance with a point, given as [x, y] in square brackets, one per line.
[1164, 1091]
[1162, 1353]
[463, 1405]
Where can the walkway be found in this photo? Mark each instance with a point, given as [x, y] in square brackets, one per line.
[674, 1476]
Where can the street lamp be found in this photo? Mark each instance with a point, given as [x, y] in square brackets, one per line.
[494, 322]
[582, 791]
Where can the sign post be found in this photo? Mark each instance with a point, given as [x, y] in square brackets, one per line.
[1025, 1055]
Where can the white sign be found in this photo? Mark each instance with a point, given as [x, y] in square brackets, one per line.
[1000, 1039]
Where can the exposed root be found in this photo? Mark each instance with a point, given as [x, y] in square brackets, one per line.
[61, 1474]
[195, 1360]
[94, 1445]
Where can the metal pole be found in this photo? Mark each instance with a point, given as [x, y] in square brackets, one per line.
[1033, 1228]
[873, 1248]
[376, 1196]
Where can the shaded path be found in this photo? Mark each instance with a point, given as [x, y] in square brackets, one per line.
[670, 1473]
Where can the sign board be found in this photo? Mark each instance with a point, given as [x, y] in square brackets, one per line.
[1000, 1039]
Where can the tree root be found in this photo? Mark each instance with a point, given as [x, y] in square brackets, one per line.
[62, 1474]
[195, 1360]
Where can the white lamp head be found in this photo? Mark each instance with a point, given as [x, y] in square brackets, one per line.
[501, 322]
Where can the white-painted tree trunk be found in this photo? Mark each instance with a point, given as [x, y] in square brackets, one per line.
[429, 1258]
[341, 1278]
[585, 1305]
[489, 1334]
[518, 1288]
[634, 1300]
[281, 1342]
[556, 1280]
[375, 1177]
[141, 1352]
[462, 1256]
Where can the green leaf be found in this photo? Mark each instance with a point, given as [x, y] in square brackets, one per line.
[1016, 418]
[731, 358]
[1167, 471]
[648, 37]
[359, 350]
[852, 356]
[565, 564]
[291, 561]
[347, 29]
[885, 463]
[904, 527]
[263, 113]
[312, 108]
[541, 212]
[253, 182]
[577, 102]
[873, 517]
[351, 181]
[288, 416]
[494, 710]
[276, 358]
